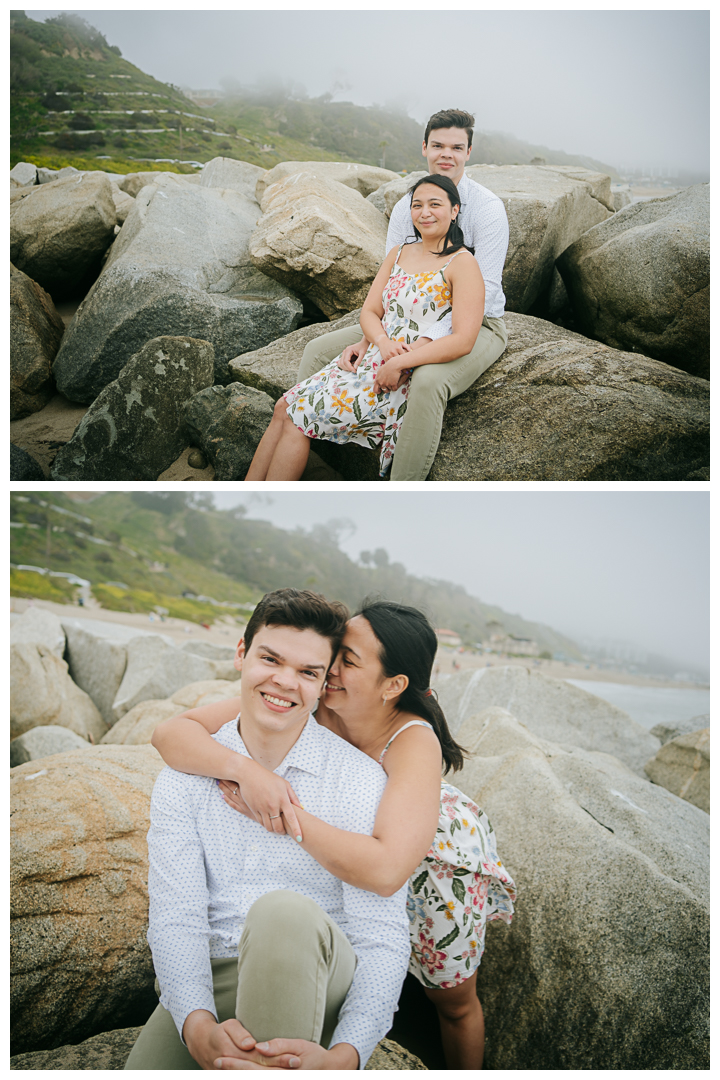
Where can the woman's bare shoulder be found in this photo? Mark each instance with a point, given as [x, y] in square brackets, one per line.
[414, 744]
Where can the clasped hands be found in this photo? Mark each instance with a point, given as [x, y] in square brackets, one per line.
[230, 1046]
[393, 371]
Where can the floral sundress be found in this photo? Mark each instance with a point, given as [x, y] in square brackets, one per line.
[458, 887]
[341, 406]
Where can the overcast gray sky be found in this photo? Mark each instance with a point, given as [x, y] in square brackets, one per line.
[630, 88]
[631, 566]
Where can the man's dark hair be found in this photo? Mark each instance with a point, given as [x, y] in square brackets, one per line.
[448, 118]
[301, 610]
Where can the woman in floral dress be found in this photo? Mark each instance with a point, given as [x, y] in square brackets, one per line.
[417, 285]
[377, 698]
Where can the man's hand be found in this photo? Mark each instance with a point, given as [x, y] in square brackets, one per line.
[351, 356]
[391, 374]
[295, 1054]
[207, 1040]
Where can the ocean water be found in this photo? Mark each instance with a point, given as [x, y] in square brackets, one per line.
[650, 705]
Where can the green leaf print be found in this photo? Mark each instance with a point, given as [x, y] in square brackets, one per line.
[458, 890]
[454, 826]
[459, 871]
[305, 420]
[419, 882]
[400, 311]
[413, 325]
[455, 932]
[402, 410]
[334, 419]
[432, 304]
[356, 408]
[445, 312]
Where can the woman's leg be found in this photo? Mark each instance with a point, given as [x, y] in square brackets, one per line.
[462, 1024]
[282, 451]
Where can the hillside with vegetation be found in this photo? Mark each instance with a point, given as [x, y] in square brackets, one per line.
[74, 100]
[145, 551]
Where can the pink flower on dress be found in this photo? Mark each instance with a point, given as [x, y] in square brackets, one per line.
[431, 959]
[478, 892]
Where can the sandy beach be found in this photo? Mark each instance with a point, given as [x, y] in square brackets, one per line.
[227, 631]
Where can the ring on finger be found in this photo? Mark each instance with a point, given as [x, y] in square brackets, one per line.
[273, 816]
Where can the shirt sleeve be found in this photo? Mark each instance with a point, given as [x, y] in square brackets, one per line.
[487, 230]
[179, 930]
[400, 228]
[377, 928]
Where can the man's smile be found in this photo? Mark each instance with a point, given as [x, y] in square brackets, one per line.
[280, 703]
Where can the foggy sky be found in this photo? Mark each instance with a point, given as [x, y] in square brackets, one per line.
[630, 566]
[630, 88]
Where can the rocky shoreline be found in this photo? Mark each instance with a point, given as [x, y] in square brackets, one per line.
[603, 825]
[604, 378]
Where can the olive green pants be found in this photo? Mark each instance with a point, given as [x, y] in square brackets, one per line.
[290, 979]
[433, 385]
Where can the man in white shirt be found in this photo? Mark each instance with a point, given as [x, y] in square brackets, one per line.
[447, 146]
[253, 942]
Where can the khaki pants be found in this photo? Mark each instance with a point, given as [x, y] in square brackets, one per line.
[433, 385]
[293, 971]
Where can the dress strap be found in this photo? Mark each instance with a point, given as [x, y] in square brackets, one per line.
[463, 251]
[397, 258]
[410, 723]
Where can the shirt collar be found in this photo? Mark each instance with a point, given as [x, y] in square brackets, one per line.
[307, 753]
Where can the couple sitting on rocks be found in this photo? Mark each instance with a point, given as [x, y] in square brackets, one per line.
[432, 323]
[281, 915]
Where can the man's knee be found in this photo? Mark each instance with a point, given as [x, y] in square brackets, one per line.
[283, 908]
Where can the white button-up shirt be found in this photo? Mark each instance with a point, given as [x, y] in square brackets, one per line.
[484, 223]
[209, 863]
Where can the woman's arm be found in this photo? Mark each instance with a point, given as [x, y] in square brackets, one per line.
[184, 744]
[468, 307]
[405, 824]
[372, 312]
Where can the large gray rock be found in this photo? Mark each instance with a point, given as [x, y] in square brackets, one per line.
[80, 961]
[138, 725]
[42, 692]
[361, 178]
[111, 1049]
[274, 368]
[23, 465]
[548, 207]
[551, 708]
[606, 963]
[227, 423]
[36, 330]
[41, 742]
[156, 668]
[227, 173]
[97, 657]
[682, 765]
[132, 429]
[132, 183]
[24, 174]
[179, 266]
[666, 732]
[388, 195]
[641, 281]
[123, 203]
[321, 239]
[40, 627]
[557, 406]
[59, 233]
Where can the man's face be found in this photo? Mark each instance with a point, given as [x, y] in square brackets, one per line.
[282, 675]
[447, 151]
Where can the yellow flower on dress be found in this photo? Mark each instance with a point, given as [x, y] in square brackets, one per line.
[450, 908]
[465, 823]
[441, 846]
[342, 402]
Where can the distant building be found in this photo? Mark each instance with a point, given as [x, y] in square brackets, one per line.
[448, 637]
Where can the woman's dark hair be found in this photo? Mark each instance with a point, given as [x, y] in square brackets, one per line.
[407, 647]
[301, 610]
[454, 239]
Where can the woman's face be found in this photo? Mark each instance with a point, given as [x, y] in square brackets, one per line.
[356, 677]
[432, 211]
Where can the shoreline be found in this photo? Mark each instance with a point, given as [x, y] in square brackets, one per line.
[226, 630]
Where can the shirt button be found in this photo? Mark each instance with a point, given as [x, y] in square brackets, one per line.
[253, 847]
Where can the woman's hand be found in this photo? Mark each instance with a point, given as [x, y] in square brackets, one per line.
[265, 797]
[350, 357]
[388, 348]
[391, 374]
